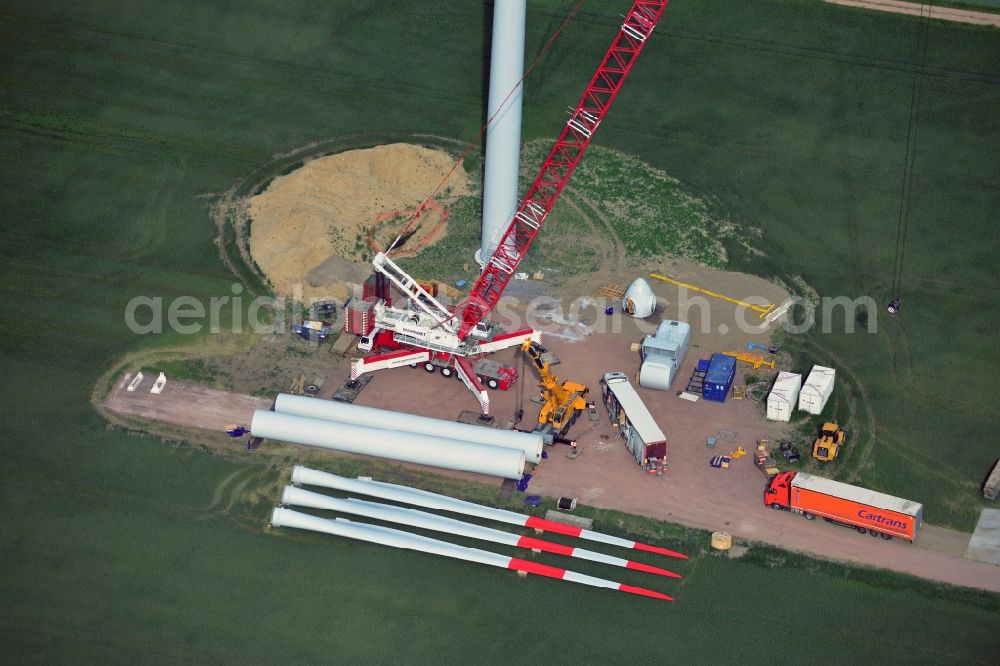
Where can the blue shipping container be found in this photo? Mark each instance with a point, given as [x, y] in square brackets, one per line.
[719, 379]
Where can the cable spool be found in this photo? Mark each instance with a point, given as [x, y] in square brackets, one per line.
[722, 540]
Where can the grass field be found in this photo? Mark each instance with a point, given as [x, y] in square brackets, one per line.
[648, 214]
[120, 125]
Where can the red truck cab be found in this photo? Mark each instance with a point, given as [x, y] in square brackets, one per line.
[779, 491]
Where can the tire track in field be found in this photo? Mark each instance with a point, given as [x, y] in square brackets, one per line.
[961, 501]
[64, 32]
[82, 632]
[231, 490]
[868, 448]
[153, 220]
[901, 367]
[224, 498]
[610, 257]
[220, 490]
[609, 235]
[905, 378]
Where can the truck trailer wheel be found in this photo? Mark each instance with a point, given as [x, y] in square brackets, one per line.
[446, 371]
[861, 530]
[776, 506]
[873, 533]
[887, 537]
[428, 366]
[808, 516]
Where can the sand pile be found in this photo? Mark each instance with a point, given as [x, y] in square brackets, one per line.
[311, 227]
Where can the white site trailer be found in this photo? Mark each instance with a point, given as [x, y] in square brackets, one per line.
[817, 389]
[643, 438]
[784, 396]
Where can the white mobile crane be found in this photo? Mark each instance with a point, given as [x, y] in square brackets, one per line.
[456, 341]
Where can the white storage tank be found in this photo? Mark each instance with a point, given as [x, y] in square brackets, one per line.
[817, 389]
[783, 396]
[639, 301]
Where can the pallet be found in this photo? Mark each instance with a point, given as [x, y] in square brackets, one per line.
[612, 290]
[296, 387]
[344, 343]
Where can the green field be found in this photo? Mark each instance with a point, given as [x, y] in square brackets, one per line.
[648, 215]
[121, 124]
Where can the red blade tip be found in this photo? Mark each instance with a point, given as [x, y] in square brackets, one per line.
[643, 592]
[639, 566]
[662, 551]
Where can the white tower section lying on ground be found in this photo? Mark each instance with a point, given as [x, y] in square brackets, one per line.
[384, 419]
[503, 136]
[391, 444]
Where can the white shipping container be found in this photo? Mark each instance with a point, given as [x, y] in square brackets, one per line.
[783, 396]
[817, 389]
[643, 438]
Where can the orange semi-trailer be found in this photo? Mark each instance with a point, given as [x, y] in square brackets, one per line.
[864, 510]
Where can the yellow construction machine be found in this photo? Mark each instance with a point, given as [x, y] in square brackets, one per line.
[561, 403]
[827, 445]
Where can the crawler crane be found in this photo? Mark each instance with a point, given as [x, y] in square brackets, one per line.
[426, 332]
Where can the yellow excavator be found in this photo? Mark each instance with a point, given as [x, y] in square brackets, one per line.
[562, 403]
[827, 445]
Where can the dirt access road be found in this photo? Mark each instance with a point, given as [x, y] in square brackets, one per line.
[183, 404]
[916, 9]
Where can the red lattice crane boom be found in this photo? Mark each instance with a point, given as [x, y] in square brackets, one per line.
[560, 163]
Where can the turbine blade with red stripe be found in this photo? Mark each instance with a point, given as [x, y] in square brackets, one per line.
[430, 521]
[549, 547]
[580, 533]
[387, 536]
[518, 564]
[416, 497]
